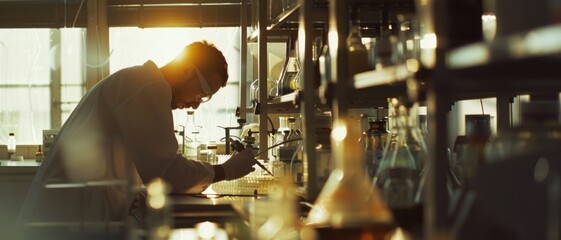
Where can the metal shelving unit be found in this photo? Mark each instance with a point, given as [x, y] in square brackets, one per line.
[294, 102]
[312, 16]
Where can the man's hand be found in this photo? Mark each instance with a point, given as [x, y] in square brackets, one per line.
[239, 165]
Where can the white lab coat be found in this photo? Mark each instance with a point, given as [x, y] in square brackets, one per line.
[122, 127]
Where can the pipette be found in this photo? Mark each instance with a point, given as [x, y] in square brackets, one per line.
[238, 146]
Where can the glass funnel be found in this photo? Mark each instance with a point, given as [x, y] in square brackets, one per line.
[348, 204]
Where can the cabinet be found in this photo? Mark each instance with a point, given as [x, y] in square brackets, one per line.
[15, 180]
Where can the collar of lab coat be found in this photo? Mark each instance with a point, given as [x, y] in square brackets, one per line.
[152, 66]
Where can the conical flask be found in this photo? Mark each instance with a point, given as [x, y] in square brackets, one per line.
[288, 81]
[348, 207]
[397, 175]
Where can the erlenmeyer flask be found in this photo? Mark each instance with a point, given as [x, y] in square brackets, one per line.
[397, 175]
[288, 80]
[348, 207]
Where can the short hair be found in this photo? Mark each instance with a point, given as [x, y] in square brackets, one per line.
[207, 58]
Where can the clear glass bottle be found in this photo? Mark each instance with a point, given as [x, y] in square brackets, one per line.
[11, 145]
[348, 207]
[290, 153]
[192, 144]
[358, 55]
[373, 140]
[279, 136]
[211, 152]
[39, 154]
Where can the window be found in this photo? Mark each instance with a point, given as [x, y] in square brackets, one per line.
[41, 80]
[42, 74]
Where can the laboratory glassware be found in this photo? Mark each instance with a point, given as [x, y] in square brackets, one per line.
[288, 80]
[358, 55]
[414, 136]
[254, 90]
[192, 144]
[398, 174]
[11, 145]
[348, 206]
[373, 140]
[290, 153]
[385, 47]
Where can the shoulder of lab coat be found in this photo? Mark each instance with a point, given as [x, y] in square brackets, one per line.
[140, 100]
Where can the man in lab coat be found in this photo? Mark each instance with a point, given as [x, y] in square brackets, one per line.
[122, 132]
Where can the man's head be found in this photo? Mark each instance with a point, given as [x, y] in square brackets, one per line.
[198, 72]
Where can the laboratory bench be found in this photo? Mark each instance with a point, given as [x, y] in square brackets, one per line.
[25, 167]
